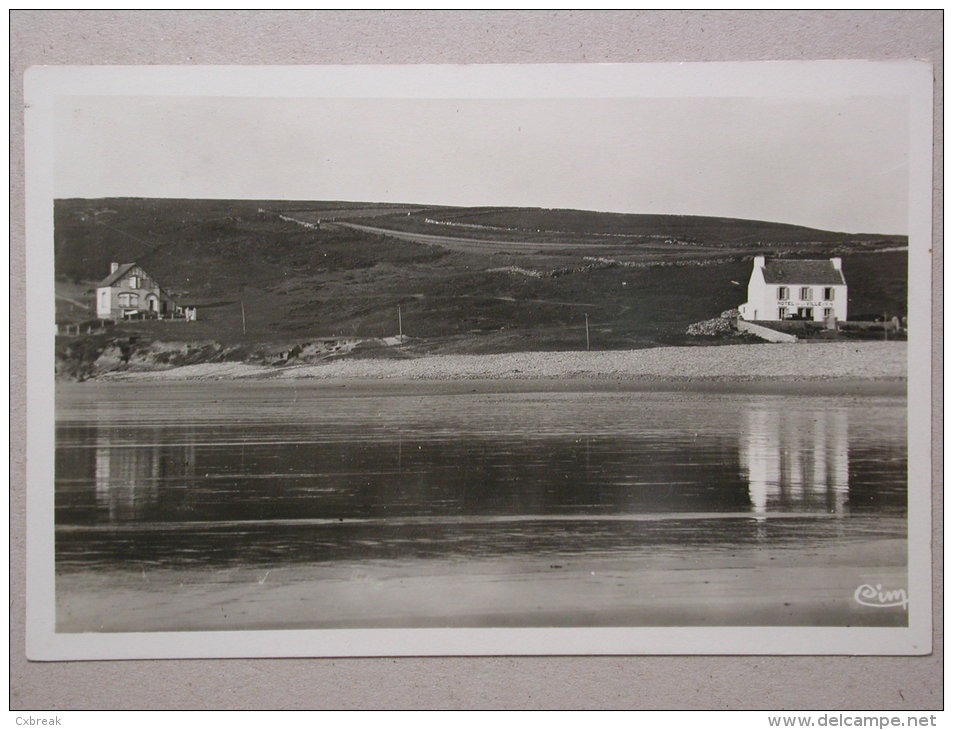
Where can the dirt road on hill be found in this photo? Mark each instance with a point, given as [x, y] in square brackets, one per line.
[464, 245]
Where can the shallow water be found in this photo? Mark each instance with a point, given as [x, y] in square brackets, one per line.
[189, 479]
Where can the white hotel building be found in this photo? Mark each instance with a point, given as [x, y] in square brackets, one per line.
[796, 289]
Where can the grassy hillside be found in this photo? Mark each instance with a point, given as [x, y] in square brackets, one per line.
[592, 226]
[297, 282]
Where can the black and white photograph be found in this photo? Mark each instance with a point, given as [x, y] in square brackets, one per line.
[431, 360]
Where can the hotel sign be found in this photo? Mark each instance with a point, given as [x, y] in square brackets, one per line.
[791, 303]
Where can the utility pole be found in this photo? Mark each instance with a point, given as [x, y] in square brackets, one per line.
[400, 325]
[587, 331]
[885, 326]
[244, 331]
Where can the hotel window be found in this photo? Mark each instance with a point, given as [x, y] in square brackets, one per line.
[806, 294]
[128, 300]
[828, 312]
[782, 312]
[829, 293]
[783, 292]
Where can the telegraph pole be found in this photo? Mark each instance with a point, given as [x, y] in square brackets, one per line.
[400, 325]
[587, 331]
[244, 331]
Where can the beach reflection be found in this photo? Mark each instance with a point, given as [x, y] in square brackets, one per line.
[540, 457]
[299, 505]
[129, 480]
[795, 459]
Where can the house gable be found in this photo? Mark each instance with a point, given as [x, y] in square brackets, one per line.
[117, 275]
[128, 290]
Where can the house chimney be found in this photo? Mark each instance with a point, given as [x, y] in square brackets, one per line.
[836, 262]
[759, 262]
[112, 267]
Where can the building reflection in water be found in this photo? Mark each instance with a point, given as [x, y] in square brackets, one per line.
[795, 460]
[129, 478]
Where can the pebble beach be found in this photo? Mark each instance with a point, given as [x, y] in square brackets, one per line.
[796, 362]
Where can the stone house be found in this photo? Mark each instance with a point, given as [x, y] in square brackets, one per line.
[129, 292]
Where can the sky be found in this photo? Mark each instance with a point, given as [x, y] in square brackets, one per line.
[834, 163]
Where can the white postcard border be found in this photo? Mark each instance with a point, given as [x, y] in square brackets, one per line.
[808, 79]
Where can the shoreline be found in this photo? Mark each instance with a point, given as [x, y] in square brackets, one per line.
[830, 368]
[356, 387]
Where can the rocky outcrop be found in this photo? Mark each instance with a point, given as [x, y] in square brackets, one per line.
[723, 324]
[82, 358]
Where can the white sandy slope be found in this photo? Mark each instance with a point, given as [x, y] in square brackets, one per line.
[796, 361]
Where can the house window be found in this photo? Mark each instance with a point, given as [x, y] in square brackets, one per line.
[829, 293]
[783, 292]
[806, 294]
[128, 300]
[133, 282]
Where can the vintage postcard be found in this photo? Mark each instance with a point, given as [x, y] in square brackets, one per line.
[450, 360]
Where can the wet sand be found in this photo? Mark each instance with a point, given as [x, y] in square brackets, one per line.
[738, 586]
[841, 386]
[754, 581]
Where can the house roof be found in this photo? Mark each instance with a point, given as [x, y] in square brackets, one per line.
[117, 274]
[801, 271]
[121, 272]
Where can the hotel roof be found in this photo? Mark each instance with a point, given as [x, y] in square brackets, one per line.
[801, 271]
